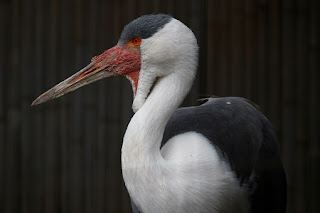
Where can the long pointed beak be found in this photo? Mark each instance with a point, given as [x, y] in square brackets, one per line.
[115, 61]
[85, 76]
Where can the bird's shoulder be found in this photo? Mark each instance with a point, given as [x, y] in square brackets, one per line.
[220, 116]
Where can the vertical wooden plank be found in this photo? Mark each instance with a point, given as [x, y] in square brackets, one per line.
[13, 126]
[302, 69]
[130, 12]
[64, 152]
[13, 187]
[96, 164]
[51, 157]
[27, 142]
[159, 6]
[86, 124]
[212, 54]
[66, 67]
[79, 119]
[77, 152]
[101, 143]
[144, 7]
[181, 11]
[89, 117]
[38, 115]
[274, 63]
[73, 148]
[314, 115]
[250, 51]
[288, 100]
[262, 54]
[223, 50]
[170, 8]
[4, 66]
[237, 49]
[76, 158]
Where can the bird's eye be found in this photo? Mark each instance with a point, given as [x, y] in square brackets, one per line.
[135, 41]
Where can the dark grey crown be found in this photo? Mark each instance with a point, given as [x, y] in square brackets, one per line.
[144, 27]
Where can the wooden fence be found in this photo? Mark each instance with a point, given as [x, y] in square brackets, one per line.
[64, 156]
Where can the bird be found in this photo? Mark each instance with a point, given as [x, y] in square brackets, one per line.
[219, 157]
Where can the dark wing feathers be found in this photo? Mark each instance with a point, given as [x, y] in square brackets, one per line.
[232, 125]
[271, 193]
[244, 138]
[134, 207]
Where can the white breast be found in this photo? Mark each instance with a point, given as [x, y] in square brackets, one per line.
[202, 182]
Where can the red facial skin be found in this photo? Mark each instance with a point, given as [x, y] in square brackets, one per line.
[134, 76]
[120, 60]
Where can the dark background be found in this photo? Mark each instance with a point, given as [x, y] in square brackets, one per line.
[64, 156]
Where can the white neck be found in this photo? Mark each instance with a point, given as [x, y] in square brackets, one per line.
[169, 57]
[141, 155]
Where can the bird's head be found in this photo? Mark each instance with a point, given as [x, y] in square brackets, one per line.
[150, 47]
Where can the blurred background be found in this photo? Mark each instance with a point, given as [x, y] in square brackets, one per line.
[64, 156]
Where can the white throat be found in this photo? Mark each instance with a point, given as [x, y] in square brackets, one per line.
[144, 169]
[168, 68]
